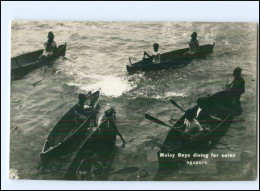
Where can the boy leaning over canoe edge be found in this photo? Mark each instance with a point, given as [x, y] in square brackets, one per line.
[155, 55]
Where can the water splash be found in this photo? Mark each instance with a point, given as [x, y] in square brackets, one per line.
[168, 95]
[175, 94]
[111, 86]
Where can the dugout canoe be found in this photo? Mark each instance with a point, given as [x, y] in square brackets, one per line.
[177, 142]
[69, 131]
[93, 159]
[171, 59]
[23, 64]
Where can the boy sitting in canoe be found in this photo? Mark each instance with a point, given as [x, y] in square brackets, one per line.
[230, 97]
[98, 153]
[194, 43]
[155, 55]
[50, 47]
[83, 110]
[109, 113]
[237, 87]
[195, 117]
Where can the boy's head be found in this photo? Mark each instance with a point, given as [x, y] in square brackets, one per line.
[237, 72]
[82, 98]
[155, 47]
[109, 112]
[194, 35]
[51, 35]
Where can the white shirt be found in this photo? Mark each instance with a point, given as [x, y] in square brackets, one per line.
[156, 57]
[198, 112]
[193, 46]
[53, 45]
[194, 123]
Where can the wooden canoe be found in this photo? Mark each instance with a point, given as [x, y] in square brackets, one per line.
[95, 154]
[23, 64]
[69, 131]
[171, 59]
[178, 142]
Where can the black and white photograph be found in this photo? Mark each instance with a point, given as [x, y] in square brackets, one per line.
[133, 101]
[155, 95]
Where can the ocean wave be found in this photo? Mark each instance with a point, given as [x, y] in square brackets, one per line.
[168, 95]
[111, 86]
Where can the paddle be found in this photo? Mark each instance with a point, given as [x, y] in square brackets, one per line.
[161, 122]
[130, 61]
[39, 81]
[98, 97]
[43, 79]
[174, 103]
[157, 121]
[120, 135]
[121, 171]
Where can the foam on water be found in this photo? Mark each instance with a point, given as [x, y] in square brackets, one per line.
[175, 94]
[111, 86]
[164, 96]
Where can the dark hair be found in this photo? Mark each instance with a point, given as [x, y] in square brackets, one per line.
[237, 71]
[50, 35]
[156, 45]
[82, 98]
[194, 34]
[189, 114]
[109, 112]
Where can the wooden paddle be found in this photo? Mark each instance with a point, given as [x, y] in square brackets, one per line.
[156, 120]
[130, 61]
[161, 123]
[43, 79]
[174, 103]
[121, 137]
[39, 81]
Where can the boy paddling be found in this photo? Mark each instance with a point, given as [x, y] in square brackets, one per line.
[155, 55]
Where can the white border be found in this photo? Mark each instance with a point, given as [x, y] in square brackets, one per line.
[110, 11]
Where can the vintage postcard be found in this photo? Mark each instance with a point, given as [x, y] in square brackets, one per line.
[133, 101]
